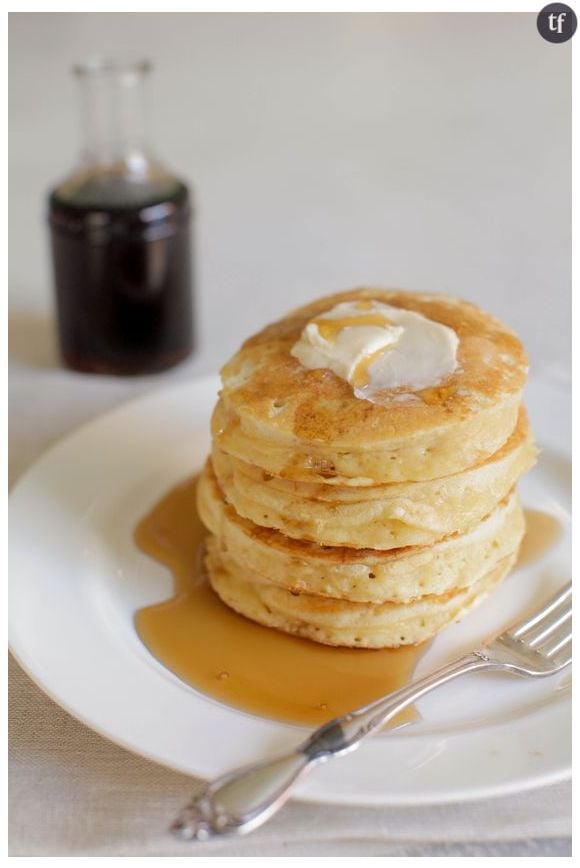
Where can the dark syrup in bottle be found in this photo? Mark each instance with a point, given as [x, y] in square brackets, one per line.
[122, 281]
[120, 237]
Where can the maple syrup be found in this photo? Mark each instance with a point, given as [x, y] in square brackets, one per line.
[255, 668]
[122, 280]
[241, 663]
[120, 236]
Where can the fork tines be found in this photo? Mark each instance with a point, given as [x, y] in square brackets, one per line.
[549, 630]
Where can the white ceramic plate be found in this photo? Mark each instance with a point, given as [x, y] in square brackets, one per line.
[76, 579]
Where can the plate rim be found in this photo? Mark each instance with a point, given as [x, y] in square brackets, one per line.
[411, 800]
[415, 798]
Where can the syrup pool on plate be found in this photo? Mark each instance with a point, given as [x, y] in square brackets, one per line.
[255, 668]
[241, 663]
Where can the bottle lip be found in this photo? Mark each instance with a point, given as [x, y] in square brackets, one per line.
[98, 65]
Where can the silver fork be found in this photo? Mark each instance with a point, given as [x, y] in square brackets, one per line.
[240, 801]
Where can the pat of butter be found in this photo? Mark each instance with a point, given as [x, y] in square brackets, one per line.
[376, 347]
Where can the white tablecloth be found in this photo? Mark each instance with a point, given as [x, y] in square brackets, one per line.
[74, 793]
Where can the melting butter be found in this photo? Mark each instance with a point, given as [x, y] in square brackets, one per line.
[376, 347]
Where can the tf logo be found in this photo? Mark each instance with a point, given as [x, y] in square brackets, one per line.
[557, 22]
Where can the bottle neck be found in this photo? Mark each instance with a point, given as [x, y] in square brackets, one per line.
[113, 102]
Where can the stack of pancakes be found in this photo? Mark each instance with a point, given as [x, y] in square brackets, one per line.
[366, 524]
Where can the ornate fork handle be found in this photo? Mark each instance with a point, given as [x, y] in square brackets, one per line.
[244, 799]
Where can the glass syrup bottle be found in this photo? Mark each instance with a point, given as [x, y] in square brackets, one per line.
[120, 237]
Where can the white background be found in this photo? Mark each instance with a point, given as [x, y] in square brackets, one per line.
[425, 151]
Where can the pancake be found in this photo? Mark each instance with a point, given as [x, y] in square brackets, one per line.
[358, 523]
[359, 575]
[307, 425]
[343, 623]
[380, 517]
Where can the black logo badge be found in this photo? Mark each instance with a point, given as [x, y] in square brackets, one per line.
[557, 22]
